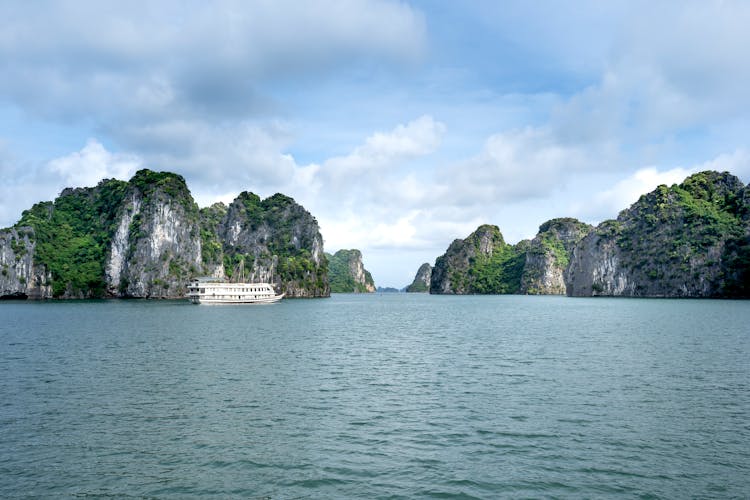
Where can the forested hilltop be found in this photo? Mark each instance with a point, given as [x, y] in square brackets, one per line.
[147, 238]
[687, 240]
[348, 274]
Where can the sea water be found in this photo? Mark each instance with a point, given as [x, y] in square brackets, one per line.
[376, 396]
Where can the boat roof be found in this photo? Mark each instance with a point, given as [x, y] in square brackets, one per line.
[220, 281]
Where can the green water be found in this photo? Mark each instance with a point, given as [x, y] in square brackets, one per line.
[377, 396]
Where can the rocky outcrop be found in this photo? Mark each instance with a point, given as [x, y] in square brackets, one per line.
[481, 263]
[147, 238]
[484, 263]
[20, 278]
[161, 250]
[688, 240]
[348, 273]
[422, 279]
[275, 241]
[548, 256]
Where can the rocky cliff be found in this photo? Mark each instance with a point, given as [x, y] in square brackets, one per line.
[548, 256]
[348, 274]
[273, 240]
[156, 248]
[19, 276]
[687, 240]
[481, 263]
[422, 279]
[147, 238]
[484, 263]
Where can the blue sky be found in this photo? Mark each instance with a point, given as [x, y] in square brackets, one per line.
[400, 125]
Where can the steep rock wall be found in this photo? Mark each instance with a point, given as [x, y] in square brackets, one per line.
[481, 263]
[422, 279]
[548, 256]
[348, 273]
[146, 238]
[120, 247]
[19, 276]
[276, 241]
[688, 240]
[163, 247]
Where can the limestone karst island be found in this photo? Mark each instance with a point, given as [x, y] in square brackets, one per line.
[687, 240]
[147, 238]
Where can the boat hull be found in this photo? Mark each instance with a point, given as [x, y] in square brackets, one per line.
[224, 301]
[217, 292]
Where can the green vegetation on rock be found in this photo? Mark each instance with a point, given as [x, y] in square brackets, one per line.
[498, 273]
[690, 239]
[147, 238]
[72, 235]
[347, 274]
[210, 220]
[482, 263]
[422, 279]
[274, 235]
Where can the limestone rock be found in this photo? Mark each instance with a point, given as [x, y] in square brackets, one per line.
[146, 238]
[548, 256]
[481, 263]
[422, 279]
[348, 273]
[20, 277]
[687, 240]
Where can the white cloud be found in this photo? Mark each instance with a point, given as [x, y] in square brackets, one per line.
[25, 184]
[383, 149]
[519, 164]
[608, 202]
[737, 163]
[92, 164]
[419, 137]
[217, 159]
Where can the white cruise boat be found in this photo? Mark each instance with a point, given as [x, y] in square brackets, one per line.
[219, 292]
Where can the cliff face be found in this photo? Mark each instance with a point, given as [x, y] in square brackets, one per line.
[484, 263]
[156, 247]
[481, 263]
[348, 273]
[688, 240]
[548, 256]
[275, 241]
[19, 277]
[147, 238]
[422, 279]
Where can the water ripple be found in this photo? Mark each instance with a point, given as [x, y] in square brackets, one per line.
[376, 397]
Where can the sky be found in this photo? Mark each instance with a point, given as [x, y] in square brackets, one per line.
[400, 125]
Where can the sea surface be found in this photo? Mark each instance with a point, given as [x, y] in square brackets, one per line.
[376, 396]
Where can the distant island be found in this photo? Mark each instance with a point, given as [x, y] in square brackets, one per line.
[687, 240]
